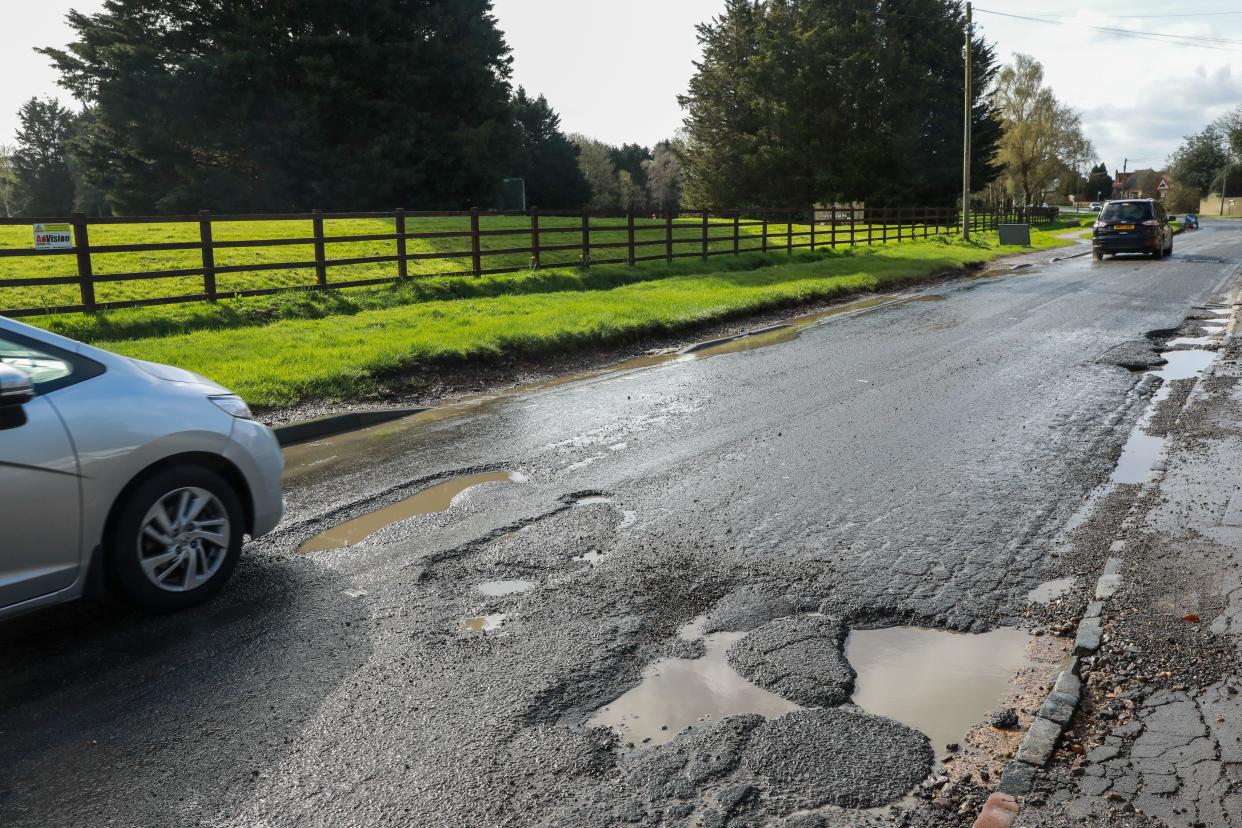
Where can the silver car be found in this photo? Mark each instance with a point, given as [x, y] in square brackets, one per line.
[123, 475]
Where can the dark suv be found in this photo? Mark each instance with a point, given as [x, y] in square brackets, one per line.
[1132, 226]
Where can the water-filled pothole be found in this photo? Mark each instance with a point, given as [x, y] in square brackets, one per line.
[433, 499]
[939, 682]
[499, 589]
[1141, 450]
[1049, 591]
[483, 623]
[677, 693]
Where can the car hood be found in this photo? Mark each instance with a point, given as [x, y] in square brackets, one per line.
[172, 373]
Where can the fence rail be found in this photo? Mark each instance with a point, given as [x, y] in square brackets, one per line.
[617, 238]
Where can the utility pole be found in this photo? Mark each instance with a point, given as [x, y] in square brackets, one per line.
[968, 100]
[1224, 183]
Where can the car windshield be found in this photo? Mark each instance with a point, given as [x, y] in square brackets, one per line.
[1126, 211]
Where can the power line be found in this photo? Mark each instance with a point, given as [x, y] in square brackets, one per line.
[1213, 43]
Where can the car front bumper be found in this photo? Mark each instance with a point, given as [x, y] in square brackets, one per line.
[253, 449]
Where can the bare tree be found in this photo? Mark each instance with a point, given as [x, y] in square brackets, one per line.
[1042, 137]
[11, 201]
[663, 178]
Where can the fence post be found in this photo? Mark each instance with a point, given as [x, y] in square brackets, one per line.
[403, 268]
[853, 218]
[737, 232]
[888, 216]
[899, 211]
[82, 244]
[321, 267]
[705, 235]
[209, 254]
[586, 238]
[765, 233]
[668, 236]
[832, 228]
[536, 256]
[812, 228]
[629, 228]
[476, 248]
[789, 233]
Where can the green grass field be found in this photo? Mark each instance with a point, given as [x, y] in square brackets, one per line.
[345, 355]
[554, 232]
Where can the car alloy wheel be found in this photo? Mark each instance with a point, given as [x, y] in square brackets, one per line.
[184, 539]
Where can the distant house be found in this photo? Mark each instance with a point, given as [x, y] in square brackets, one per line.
[1138, 184]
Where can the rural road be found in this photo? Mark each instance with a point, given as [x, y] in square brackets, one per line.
[908, 462]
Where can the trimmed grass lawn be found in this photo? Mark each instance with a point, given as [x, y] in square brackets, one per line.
[356, 353]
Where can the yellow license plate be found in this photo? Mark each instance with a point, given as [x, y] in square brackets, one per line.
[1124, 227]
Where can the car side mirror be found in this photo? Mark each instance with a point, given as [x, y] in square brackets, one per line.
[16, 389]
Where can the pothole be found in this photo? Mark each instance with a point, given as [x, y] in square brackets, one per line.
[1049, 591]
[483, 623]
[1142, 449]
[1191, 341]
[936, 681]
[678, 693]
[592, 557]
[437, 498]
[499, 589]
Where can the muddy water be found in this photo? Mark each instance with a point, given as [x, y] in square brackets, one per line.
[499, 589]
[433, 499]
[1142, 449]
[677, 693]
[483, 623]
[938, 682]
[1049, 591]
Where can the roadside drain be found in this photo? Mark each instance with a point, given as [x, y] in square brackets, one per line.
[433, 499]
[498, 589]
[678, 693]
[1141, 450]
[1049, 591]
[939, 682]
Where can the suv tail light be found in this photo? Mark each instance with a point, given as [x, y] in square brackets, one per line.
[1100, 225]
[1151, 223]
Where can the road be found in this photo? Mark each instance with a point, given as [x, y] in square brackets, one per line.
[908, 462]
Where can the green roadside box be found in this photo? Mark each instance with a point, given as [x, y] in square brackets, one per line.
[1015, 234]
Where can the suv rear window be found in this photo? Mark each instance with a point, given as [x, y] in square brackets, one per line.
[1122, 211]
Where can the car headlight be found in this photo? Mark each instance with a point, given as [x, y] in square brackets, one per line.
[232, 404]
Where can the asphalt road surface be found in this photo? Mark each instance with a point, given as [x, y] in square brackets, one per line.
[908, 462]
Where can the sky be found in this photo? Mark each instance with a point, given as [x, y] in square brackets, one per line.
[613, 70]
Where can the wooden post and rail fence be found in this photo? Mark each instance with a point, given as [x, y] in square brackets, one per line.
[597, 237]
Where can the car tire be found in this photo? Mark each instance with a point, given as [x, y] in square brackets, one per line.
[1157, 253]
[176, 539]
[1097, 255]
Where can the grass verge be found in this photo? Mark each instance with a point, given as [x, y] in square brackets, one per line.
[358, 354]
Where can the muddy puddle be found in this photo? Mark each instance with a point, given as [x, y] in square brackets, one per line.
[483, 623]
[437, 498]
[938, 682]
[1141, 450]
[677, 693]
[499, 589]
[1049, 591]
